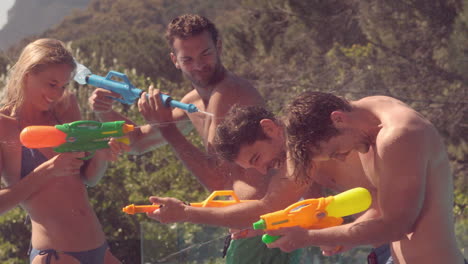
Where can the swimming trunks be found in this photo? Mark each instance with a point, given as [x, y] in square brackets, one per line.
[380, 255]
[93, 256]
[30, 159]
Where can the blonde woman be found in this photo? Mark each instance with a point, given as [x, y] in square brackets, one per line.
[51, 187]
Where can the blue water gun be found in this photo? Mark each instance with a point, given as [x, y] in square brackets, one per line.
[128, 92]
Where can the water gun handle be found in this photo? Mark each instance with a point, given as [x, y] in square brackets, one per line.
[267, 239]
[328, 222]
[128, 92]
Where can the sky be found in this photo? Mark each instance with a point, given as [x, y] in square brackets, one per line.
[5, 5]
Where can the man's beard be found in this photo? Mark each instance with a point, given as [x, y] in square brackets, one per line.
[216, 76]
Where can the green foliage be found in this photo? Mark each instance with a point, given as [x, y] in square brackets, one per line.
[12, 224]
[458, 51]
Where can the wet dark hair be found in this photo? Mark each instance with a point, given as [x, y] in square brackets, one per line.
[241, 126]
[307, 124]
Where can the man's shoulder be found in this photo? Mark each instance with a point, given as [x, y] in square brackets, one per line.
[190, 97]
[399, 137]
[236, 87]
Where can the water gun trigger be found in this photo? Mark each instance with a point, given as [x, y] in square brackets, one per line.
[320, 214]
[124, 140]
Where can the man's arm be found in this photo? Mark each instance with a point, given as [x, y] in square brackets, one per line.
[208, 169]
[281, 193]
[401, 162]
[148, 137]
[203, 165]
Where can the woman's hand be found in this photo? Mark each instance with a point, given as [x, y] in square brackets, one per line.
[116, 148]
[63, 164]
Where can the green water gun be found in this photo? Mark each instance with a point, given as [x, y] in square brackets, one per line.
[78, 136]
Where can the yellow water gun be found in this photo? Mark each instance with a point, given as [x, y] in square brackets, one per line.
[316, 213]
[211, 201]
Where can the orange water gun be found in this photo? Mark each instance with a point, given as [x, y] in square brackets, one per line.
[316, 213]
[209, 202]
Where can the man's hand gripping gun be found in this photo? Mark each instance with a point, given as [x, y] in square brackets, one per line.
[316, 213]
[128, 92]
[78, 136]
[209, 202]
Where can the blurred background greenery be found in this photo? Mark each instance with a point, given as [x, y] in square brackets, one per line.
[414, 50]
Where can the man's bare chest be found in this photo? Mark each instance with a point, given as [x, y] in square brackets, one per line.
[370, 167]
[343, 175]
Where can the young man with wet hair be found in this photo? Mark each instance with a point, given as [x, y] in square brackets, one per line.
[402, 155]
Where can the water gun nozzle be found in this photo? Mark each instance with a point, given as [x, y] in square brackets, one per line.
[128, 128]
[129, 209]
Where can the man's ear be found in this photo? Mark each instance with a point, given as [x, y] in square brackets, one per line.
[270, 128]
[338, 118]
[174, 60]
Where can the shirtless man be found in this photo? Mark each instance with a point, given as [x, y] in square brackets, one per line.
[402, 155]
[196, 51]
